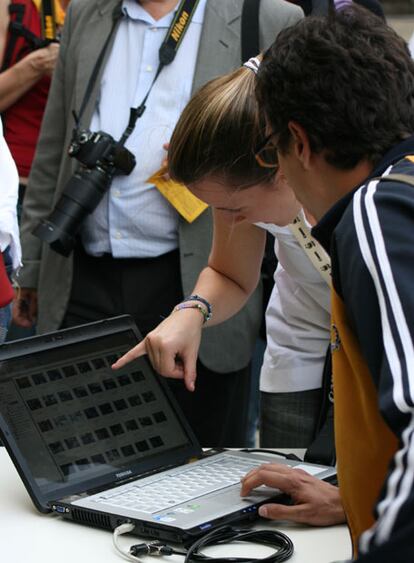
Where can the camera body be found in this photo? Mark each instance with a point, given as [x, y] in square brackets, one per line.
[101, 158]
[94, 149]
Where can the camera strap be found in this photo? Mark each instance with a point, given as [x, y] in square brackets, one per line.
[166, 55]
[311, 247]
[48, 20]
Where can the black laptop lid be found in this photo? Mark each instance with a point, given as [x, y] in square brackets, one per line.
[72, 424]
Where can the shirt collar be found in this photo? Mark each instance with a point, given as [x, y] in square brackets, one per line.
[324, 229]
[133, 10]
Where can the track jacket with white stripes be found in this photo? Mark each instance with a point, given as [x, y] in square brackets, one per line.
[370, 236]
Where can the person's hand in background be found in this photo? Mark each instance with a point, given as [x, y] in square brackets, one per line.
[25, 307]
[44, 60]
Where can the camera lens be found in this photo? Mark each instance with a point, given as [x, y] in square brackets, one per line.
[81, 195]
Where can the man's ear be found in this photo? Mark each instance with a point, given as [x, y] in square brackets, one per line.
[300, 143]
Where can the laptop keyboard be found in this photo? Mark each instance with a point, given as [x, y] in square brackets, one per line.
[178, 488]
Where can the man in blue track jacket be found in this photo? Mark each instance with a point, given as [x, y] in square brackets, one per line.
[338, 94]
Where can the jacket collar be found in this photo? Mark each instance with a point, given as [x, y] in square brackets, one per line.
[326, 226]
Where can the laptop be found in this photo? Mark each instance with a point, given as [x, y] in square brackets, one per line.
[102, 448]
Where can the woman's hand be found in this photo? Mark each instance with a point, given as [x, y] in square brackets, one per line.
[25, 307]
[172, 347]
[315, 502]
[43, 61]
[20, 78]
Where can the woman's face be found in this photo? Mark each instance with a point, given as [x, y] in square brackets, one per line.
[272, 202]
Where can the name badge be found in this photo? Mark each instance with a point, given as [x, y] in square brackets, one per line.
[180, 197]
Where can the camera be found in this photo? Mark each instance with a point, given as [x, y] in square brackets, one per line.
[100, 158]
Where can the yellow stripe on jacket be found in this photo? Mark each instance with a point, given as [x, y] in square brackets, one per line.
[364, 443]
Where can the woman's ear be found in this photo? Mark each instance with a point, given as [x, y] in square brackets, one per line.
[300, 145]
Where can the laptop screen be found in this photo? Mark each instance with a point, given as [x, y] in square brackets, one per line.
[74, 419]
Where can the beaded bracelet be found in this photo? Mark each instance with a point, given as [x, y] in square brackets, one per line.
[202, 300]
[206, 315]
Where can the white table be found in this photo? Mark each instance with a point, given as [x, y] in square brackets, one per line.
[29, 537]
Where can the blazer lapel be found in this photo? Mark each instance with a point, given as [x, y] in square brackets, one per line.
[219, 50]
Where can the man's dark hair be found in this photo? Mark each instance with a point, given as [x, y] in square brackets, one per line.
[348, 80]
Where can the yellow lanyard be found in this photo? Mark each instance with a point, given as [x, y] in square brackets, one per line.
[59, 12]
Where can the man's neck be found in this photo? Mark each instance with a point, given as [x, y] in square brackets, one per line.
[336, 184]
[157, 9]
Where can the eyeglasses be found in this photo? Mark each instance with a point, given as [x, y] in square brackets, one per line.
[266, 153]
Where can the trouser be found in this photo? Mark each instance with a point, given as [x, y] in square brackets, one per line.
[5, 318]
[288, 420]
[148, 289]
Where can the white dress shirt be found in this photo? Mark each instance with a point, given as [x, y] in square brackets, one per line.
[134, 219]
[9, 189]
[297, 320]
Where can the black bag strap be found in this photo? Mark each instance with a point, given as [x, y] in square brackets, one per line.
[17, 29]
[16, 10]
[250, 47]
[250, 43]
[322, 449]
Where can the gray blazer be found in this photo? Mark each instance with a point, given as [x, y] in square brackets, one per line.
[224, 348]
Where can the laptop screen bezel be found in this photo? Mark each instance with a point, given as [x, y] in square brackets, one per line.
[107, 327]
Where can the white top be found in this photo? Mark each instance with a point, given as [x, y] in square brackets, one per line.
[133, 219]
[297, 320]
[411, 45]
[9, 190]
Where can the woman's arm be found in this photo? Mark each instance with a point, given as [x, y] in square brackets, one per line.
[233, 269]
[230, 277]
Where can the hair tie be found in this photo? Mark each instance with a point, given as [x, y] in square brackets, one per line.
[253, 64]
[341, 4]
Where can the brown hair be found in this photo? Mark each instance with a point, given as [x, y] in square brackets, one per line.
[218, 132]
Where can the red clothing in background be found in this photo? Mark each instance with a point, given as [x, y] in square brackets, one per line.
[22, 120]
[6, 289]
